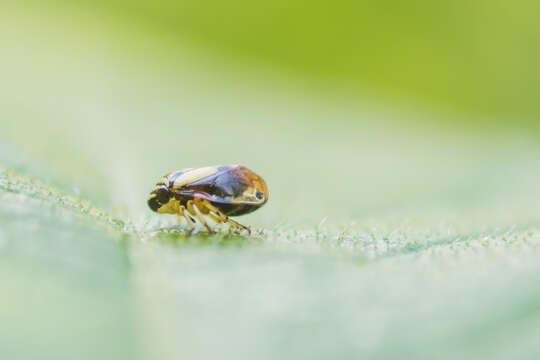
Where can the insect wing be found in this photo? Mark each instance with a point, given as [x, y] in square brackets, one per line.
[184, 178]
[222, 185]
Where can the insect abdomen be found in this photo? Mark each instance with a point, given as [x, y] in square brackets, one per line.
[235, 209]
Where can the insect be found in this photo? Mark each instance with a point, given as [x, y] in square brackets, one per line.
[215, 192]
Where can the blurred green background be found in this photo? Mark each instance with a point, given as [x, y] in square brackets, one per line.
[399, 142]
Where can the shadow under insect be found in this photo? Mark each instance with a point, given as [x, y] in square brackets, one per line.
[182, 237]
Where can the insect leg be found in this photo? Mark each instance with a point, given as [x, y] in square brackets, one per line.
[189, 219]
[180, 214]
[193, 209]
[220, 217]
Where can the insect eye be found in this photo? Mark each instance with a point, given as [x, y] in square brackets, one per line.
[163, 195]
[259, 195]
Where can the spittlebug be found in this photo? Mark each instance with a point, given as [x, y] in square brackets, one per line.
[214, 192]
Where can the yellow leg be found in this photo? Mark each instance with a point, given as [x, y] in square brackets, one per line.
[189, 219]
[218, 216]
[194, 209]
[180, 215]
